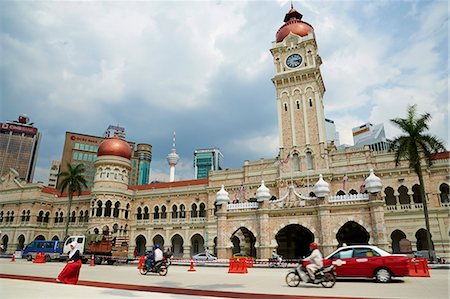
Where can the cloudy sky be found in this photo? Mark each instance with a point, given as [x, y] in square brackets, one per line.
[203, 69]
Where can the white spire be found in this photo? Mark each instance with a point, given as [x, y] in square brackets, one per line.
[173, 159]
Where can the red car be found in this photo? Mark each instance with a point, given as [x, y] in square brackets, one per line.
[368, 261]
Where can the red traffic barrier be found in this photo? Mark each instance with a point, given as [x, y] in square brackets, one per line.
[418, 267]
[191, 268]
[40, 258]
[238, 265]
[92, 264]
[141, 261]
[249, 262]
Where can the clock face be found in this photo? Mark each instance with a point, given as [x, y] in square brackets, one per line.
[294, 60]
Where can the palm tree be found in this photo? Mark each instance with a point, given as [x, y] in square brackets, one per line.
[72, 180]
[414, 146]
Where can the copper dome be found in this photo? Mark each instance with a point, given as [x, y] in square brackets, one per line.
[293, 23]
[114, 147]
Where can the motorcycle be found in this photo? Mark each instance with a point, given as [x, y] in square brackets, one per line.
[159, 267]
[325, 276]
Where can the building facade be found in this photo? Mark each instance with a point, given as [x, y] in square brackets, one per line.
[53, 175]
[19, 147]
[311, 192]
[206, 160]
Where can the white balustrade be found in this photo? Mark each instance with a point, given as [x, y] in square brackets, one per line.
[348, 198]
[244, 205]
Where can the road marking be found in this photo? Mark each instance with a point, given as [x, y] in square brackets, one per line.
[168, 290]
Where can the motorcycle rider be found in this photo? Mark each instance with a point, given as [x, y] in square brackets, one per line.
[316, 261]
[150, 259]
[276, 257]
[158, 254]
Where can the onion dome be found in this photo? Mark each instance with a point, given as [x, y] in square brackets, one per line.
[114, 147]
[222, 196]
[373, 183]
[293, 23]
[262, 193]
[321, 188]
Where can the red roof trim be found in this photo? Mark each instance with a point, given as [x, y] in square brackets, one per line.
[50, 190]
[170, 184]
[442, 156]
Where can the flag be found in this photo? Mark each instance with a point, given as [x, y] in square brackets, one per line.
[287, 158]
[344, 181]
[242, 191]
[362, 188]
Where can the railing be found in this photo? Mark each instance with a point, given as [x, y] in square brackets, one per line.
[178, 220]
[198, 219]
[348, 198]
[244, 205]
[142, 221]
[445, 204]
[160, 220]
[405, 207]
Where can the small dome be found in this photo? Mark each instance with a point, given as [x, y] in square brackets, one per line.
[321, 188]
[293, 23]
[262, 193]
[114, 147]
[222, 196]
[373, 183]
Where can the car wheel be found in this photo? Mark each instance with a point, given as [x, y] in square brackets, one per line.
[383, 275]
[111, 262]
[97, 260]
[29, 258]
[48, 258]
[292, 279]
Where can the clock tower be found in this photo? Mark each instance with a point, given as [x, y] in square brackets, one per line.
[299, 96]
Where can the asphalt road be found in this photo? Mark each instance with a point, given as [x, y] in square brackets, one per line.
[206, 282]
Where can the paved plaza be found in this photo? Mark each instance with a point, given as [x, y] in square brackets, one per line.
[123, 281]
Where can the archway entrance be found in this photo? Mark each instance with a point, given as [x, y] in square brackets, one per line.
[140, 245]
[396, 236]
[40, 237]
[197, 244]
[55, 238]
[21, 242]
[243, 242]
[293, 241]
[177, 246]
[158, 239]
[422, 243]
[5, 240]
[352, 233]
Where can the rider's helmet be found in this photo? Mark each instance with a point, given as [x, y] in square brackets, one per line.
[314, 245]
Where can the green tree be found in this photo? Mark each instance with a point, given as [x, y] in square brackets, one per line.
[415, 145]
[73, 181]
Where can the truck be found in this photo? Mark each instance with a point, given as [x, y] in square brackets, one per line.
[103, 248]
[53, 250]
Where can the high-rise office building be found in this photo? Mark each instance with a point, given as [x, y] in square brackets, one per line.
[332, 135]
[82, 149]
[19, 146]
[53, 176]
[373, 136]
[206, 160]
[114, 131]
[144, 155]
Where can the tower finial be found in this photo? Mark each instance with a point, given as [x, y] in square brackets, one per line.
[173, 144]
[292, 5]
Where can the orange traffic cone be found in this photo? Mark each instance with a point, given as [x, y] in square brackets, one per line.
[13, 258]
[92, 264]
[191, 268]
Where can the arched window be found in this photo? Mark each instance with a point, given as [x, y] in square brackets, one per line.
[139, 213]
[81, 217]
[296, 162]
[56, 217]
[156, 212]
[40, 216]
[116, 209]
[28, 216]
[390, 197]
[163, 212]
[403, 195]
[61, 217]
[182, 211]
[99, 208]
[194, 213]
[47, 215]
[86, 216]
[115, 228]
[298, 104]
[1, 216]
[445, 190]
[73, 218]
[108, 205]
[310, 103]
[353, 192]
[417, 198]
[23, 216]
[146, 213]
[309, 160]
[96, 231]
[126, 211]
[285, 107]
[174, 212]
[340, 193]
[202, 211]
